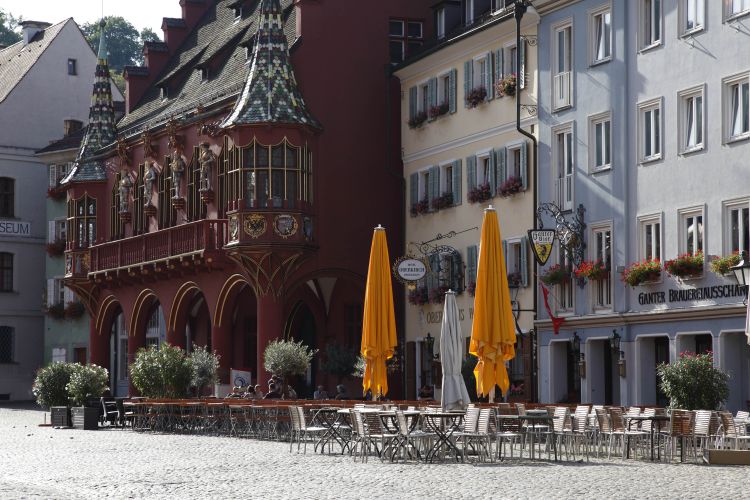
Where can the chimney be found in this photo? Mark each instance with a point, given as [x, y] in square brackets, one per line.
[31, 28]
[72, 126]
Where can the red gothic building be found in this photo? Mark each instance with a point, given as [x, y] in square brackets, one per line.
[235, 202]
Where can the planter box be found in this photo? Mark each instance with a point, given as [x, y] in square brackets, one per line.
[727, 457]
[85, 418]
[60, 416]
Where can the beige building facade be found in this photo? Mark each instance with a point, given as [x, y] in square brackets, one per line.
[461, 153]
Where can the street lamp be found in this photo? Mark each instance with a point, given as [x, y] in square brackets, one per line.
[614, 341]
[742, 273]
[430, 343]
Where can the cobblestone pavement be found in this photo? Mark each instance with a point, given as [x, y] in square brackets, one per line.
[41, 462]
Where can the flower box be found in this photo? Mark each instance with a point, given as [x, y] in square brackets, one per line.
[56, 248]
[507, 86]
[421, 207]
[418, 296]
[439, 110]
[56, 193]
[443, 201]
[418, 119]
[723, 265]
[687, 265]
[639, 273]
[480, 194]
[60, 416]
[74, 310]
[555, 275]
[476, 97]
[510, 187]
[85, 418]
[56, 311]
[592, 270]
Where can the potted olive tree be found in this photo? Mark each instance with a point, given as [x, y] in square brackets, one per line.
[287, 358]
[161, 372]
[205, 368]
[50, 390]
[87, 383]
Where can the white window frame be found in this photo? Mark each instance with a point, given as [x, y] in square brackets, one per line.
[728, 207]
[651, 42]
[561, 306]
[564, 180]
[684, 9]
[479, 79]
[440, 23]
[683, 215]
[422, 94]
[594, 121]
[562, 80]
[730, 14]
[513, 245]
[445, 167]
[513, 169]
[728, 106]
[423, 176]
[649, 107]
[594, 16]
[686, 101]
[643, 222]
[481, 156]
[441, 89]
[602, 287]
[509, 59]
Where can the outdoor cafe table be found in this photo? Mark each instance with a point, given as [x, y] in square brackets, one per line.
[331, 419]
[656, 422]
[538, 419]
[443, 424]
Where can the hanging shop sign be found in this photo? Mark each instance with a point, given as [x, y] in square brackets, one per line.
[541, 244]
[409, 270]
[15, 228]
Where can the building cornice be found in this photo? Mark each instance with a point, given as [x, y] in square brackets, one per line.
[544, 7]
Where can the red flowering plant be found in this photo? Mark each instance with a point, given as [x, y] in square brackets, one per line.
[480, 193]
[507, 86]
[439, 110]
[476, 97]
[646, 271]
[418, 119]
[418, 296]
[510, 187]
[686, 265]
[443, 201]
[56, 193]
[723, 265]
[555, 275]
[56, 248]
[421, 207]
[593, 270]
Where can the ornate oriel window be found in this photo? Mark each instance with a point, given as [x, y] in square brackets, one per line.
[276, 176]
[82, 221]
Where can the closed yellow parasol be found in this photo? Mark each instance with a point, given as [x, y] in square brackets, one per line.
[493, 330]
[378, 319]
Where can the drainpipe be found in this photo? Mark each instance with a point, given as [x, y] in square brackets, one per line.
[519, 9]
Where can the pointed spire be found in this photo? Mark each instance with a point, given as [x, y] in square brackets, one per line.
[271, 94]
[100, 130]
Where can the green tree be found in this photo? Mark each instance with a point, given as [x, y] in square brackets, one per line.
[287, 358]
[339, 361]
[148, 35]
[693, 383]
[9, 28]
[124, 43]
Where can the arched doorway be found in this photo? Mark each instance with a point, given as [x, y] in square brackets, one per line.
[198, 324]
[156, 327]
[301, 327]
[118, 355]
[245, 333]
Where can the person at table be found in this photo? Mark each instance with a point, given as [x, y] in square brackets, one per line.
[249, 392]
[341, 392]
[320, 393]
[273, 392]
[258, 392]
[426, 392]
[290, 392]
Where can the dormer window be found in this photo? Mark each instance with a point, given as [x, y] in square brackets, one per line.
[441, 23]
[204, 74]
[238, 12]
[164, 92]
[469, 12]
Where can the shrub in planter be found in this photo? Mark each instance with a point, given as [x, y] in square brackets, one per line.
[685, 265]
[443, 201]
[555, 275]
[418, 119]
[476, 97]
[592, 270]
[723, 265]
[439, 110]
[74, 310]
[339, 361]
[418, 296]
[421, 207]
[56, 311]
[287, 358]
[204, 366]
[161, 372]
[480, 194]
[507, 86]
[87, 382]
[51, 385]
[641, 272]
[56, 248]
[511, 186]
[693, 383]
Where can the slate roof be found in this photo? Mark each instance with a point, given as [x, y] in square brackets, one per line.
[70, 141]
[17, 59]
[218, 43]
[271, 94]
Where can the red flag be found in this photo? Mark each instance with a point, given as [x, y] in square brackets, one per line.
[556, 322]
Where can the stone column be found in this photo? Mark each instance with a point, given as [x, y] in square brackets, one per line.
[221, 342]
[270, 327]
[98, 345]
[134, 343]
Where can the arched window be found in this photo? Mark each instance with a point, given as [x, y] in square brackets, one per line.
[82, 222]
[7, 197]
[6, 272]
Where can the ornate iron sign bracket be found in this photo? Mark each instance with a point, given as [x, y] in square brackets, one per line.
[570, 232]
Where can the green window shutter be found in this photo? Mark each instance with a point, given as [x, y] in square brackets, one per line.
[412, 102]
[492, 181]
[434, 190]
[471, 172]
[524, 165]
[524, 261]
[498, 69]
[457, 182]
[471, 264]
[431, 95]
[413, 189]
[502, 168]
[468, 77]
[452, 92]
[488, 77]
[521, 78]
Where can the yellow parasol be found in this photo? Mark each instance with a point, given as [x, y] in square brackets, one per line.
[493, 330]
[378, 319]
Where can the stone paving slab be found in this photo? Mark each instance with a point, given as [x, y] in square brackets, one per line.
[41, 462]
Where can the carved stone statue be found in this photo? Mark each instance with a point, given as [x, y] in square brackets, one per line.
[208, 161]
[149, 177]
[177, 165]
[126, 184]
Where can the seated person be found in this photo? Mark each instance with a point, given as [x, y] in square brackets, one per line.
[249, 392]
[341, 392]
[426, 392]
[258, 392]
[274, 392]
[320, 393]
[290, 392]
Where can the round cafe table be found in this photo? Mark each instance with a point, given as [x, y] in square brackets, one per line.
[443, 425]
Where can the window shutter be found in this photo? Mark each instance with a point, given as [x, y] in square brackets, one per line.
[51, 292]
[456, 268]
[524, 165]
[413, 189]
[432, 95]
[521, 77]
[505, 254]
[471, 264]
[452, 92]
[457, 182]
[502, 167]
[412, 103]
[488, 77]
[434, 191]
[471, 172]
[68, 294]
[52, 176]
[468, 77]
[524, 261]
[492, 181]
[50, 231]
[432, 277]
[498, 69]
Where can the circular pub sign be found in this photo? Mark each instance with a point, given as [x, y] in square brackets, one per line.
[409, 270]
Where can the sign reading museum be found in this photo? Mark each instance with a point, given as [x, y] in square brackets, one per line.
[15, 228]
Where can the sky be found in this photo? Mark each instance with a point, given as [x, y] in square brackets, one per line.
[141, 13]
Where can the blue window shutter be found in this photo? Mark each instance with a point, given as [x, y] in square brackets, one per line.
[432, 278]
[452, 92]
[457, 182]
[434, 184]
[468, 77]
[488, 77]
[492, 181]
[412, 102]
[498, 69]
[502, 168]
[413, 189]
[471, 172]
[471, 264]
[431, 95]
[524, 165]
[524, 261]
[521, 78]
